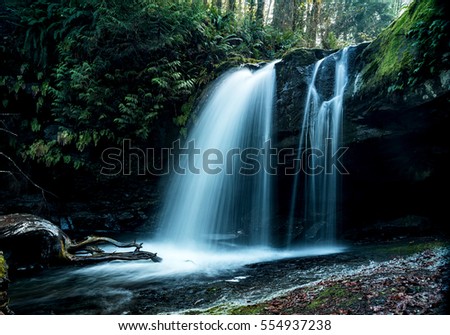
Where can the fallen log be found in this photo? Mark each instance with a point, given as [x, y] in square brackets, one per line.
[29, 239]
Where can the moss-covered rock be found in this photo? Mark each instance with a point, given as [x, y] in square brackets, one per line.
[410, 61]
[333, 295]
[396, 113]
[3, 286]
[3, 266]
[232, 309]
[395, 120]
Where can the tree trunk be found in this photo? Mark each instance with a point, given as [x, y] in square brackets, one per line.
[260, 11]
[314, 23]
[296, 15]
[27, 240]
[219, 5]
[231, 5]
[283, 15]
[250, 13]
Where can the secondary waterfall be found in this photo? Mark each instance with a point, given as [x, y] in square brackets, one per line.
[221, 194]
[314, 216]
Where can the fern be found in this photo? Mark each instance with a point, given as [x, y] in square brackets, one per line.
[101, 71]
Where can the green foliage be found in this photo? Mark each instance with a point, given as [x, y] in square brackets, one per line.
[331, 24]
[98, 72]
[408, 51]
[45, 23]
[429, 39]
[331, 41]
[86, 74]
[353, 22]
[411, 248]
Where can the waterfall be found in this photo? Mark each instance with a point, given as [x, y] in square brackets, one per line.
[222, 195]
[320, 139]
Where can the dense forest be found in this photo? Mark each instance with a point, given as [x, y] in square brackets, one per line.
[79, 76]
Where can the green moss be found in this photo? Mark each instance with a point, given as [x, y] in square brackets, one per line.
[233, 62]
[217, 310]
[412, 248]
[335, 295]
[257, 309]
[193, 312]
[231, 310]
[3, 267]
[300, 56]
[402, 51]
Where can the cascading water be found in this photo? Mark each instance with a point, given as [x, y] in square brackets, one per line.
[320, 140]
[206, 207]
[229, 201]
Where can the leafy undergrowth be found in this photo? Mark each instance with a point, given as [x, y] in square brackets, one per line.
[404, 285]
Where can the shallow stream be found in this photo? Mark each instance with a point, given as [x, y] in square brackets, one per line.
[185, 280]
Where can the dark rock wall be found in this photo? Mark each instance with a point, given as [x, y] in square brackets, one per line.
[293, 75]
[397, 138]
[125, 203]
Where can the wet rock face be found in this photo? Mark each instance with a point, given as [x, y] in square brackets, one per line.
[91, 205]
[395, 120]
[397, 143]
[293, 75]
[397, 164]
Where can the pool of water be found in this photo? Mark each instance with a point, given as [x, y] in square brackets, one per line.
[185, 279]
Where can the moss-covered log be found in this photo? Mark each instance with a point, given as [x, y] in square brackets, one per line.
[28, 239]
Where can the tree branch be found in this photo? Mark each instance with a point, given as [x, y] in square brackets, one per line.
[6, 130]
[56, 246]
[120, 256]
[26, 177]
[96, 240]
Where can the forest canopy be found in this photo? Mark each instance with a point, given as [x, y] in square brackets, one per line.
[78, 76]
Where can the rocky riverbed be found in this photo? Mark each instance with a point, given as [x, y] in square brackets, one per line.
[400, 277]
[403, 285]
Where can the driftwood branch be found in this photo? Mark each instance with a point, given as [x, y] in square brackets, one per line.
[121, 256]
[29, 238]
[96, 240]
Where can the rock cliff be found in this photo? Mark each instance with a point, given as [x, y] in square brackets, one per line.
[395, 120]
